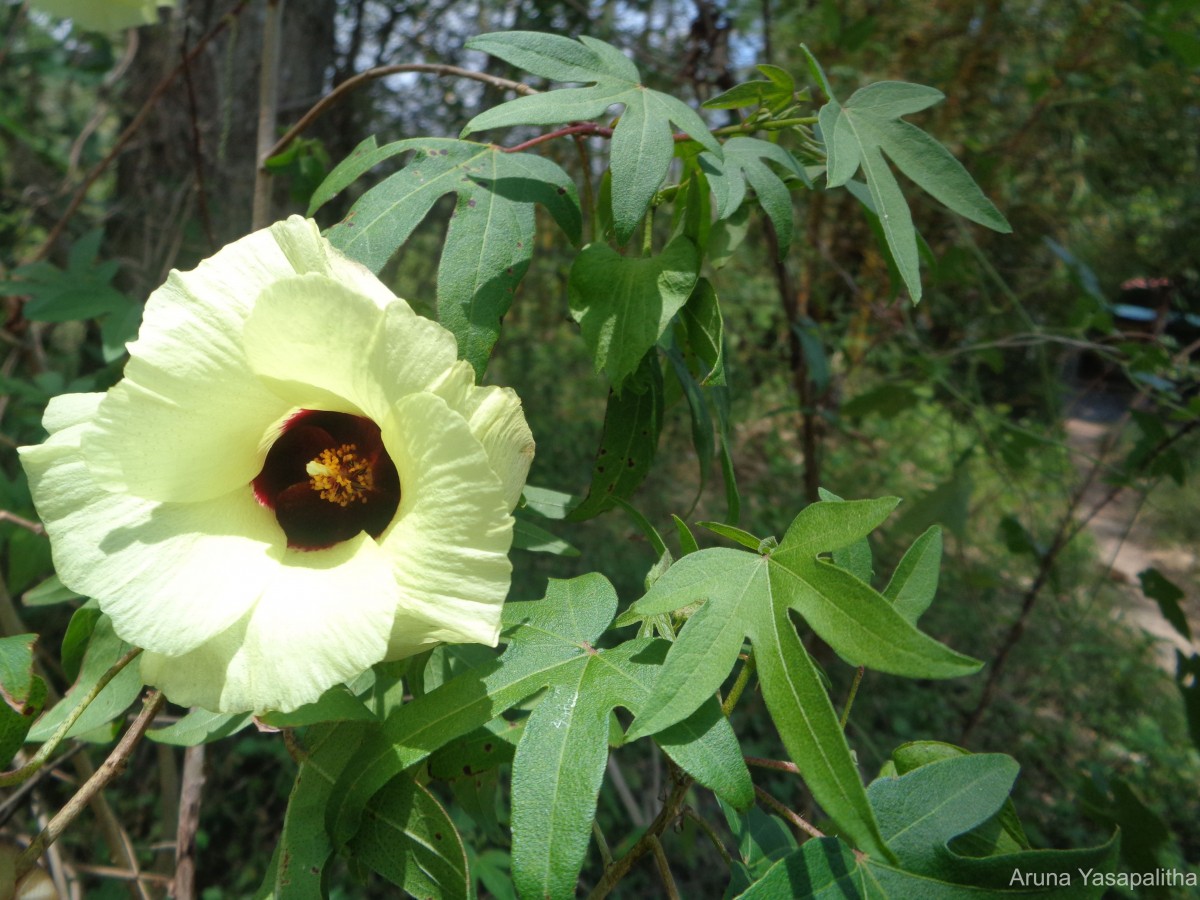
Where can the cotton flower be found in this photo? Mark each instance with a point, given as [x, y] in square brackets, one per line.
[295, 479]
[104, 15]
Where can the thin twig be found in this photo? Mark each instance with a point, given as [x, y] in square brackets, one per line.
[779, 765]
[703, 825]
[670, 810]
[624, 793]
[664, 869]
[184, 885]
[350, 84]
[15, 776]
[109, 769]
[794, 818]
[22, 522]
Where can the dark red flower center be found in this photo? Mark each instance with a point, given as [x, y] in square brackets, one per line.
[328, 477]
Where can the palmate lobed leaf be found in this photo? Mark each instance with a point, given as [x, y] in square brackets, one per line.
[563, 749]
[642, 142]
[489, 242]
[749, 595]
[860, 132]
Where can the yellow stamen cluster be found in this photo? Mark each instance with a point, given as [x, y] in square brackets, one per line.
[341, 476]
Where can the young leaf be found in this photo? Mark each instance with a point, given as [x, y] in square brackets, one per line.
[915, 580]
[776, 92]
[624, 304]
[745, 162]
[489, 242]
[632, 422]
[642, 142]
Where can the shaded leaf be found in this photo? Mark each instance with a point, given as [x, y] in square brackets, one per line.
[489, 242]
[624, 304]
[744, 163]
[642, 142]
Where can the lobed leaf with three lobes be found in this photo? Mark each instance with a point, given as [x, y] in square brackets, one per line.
[750, 595]
[642, 142]
[489, 242]
[559, 762]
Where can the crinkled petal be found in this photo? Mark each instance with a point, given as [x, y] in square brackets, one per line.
[319, 344]
[449, 542]
[189, 418]
[170, 575]
[496, 419]
[324, 618]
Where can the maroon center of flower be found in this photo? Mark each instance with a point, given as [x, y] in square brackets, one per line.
[328, 477]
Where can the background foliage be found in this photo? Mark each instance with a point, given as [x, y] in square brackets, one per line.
[1076, 119]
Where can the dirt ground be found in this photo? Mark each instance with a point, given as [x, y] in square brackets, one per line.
[1125, 543]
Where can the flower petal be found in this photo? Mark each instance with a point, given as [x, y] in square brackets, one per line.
[496, 419]
[450, 540]
[170, 575]
[323, 619]
[322, 345]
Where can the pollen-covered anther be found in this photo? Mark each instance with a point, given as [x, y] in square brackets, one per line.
[341, 476]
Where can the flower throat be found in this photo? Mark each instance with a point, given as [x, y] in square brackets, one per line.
[328, 477]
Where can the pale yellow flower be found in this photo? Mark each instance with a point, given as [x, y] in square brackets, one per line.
[104, 15]
[296, 479]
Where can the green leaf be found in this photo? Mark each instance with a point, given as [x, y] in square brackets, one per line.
[749, 596]
[81, 291]
[624, 304]
[886, 401]
[915, 580]
[23, 693]
[48, 593]
[336, 705]
[738, 535]
[199, 727]
[705, 329]
[104, 649]
[527, 536]
[632, 422]
[702, 423]
[855, 558]
[687, 541]
[489, 242]
[642, 142]
[1167, 595]
[304, 846]
[740, 602]
[745, 162]
[409, 839]
[920, 812]
[849, 615]
[778, 91]
[560, 757]
[860, 132]
[75, 641]
[547, 503]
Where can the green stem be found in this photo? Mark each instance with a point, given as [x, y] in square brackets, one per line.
[16, 776]
[735, 693]
[858, 677]
[703, 825]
